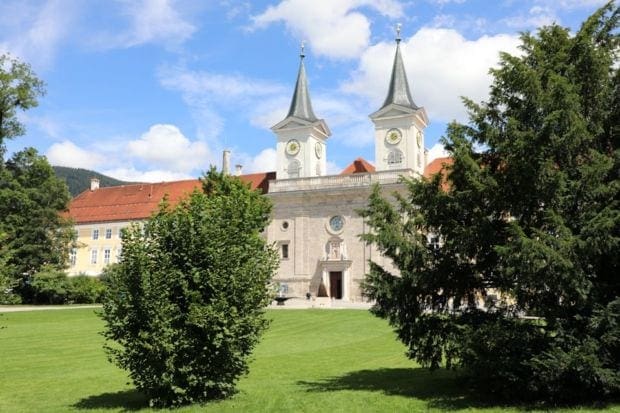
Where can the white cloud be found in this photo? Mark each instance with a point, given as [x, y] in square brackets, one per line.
[264, 161]
[209, 94]
[437, 151]
[66, 153]
[165, 146]
[228, 88]
[572, 4]
[536, 16]
[441, 65]
[333, 28]
[235, 8]
[444, 20]
[333, 168]
[34, 33]
[134, 175]
[268, 112]
[443, 2]
[162, 153]
[150, 21]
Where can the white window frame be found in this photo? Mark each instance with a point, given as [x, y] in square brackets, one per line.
[73, 257]
[96, 233]
[93, 256]
[395, 158]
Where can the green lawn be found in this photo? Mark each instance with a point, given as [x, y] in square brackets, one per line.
[308, 361]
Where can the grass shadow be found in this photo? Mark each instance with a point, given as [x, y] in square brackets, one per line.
[442, 389]
[128, 400]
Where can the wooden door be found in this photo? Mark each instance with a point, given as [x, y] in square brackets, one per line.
[335, 284]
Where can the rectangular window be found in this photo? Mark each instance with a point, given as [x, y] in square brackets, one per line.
[108, 233]
[284, 251]
[93, 256]
[95, 234]
[73, 257]
[106, 256]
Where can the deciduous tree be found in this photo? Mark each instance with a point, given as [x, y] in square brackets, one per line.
[186, 301]
[32, 198]
[19, 89]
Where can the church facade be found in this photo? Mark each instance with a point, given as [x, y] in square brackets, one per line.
[315, 225]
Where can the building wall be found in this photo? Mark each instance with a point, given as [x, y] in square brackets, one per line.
[301, 220]
[107, 247]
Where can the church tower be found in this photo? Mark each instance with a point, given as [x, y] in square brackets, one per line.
[399, 124]
[301, 147]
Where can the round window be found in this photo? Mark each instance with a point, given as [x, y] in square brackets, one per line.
[285, 225]
[336, 223]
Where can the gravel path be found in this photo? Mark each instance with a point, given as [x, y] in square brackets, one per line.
[16, 308]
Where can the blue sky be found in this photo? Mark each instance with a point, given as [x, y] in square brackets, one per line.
[152, 90]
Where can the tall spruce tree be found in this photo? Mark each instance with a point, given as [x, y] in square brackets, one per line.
[528, 210]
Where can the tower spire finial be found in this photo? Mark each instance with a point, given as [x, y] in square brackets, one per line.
[301, 106]
[398, 92]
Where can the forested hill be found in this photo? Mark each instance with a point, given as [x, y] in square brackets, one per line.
[78, 179]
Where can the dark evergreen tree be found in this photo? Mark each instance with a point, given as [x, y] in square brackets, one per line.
[32, 199]
[531, 216]
[186, 301]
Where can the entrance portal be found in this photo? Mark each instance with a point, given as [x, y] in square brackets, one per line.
[335, 284]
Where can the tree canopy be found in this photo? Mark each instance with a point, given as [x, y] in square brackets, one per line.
[31, 201]
[528, 221]
[33, 233]
[186, 301]
[19, 89]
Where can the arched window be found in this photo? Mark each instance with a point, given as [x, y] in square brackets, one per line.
[395, 158]
[293, 169]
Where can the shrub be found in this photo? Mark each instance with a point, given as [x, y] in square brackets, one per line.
[84, 289]
[48, 286]
[52, 286]
[186, 302]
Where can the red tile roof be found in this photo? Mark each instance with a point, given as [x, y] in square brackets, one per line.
[438, 165]
[139, 201]
[360, 165]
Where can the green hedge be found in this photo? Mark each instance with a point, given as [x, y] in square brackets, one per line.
[55, 287]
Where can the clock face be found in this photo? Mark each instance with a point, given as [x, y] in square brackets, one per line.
[318, 150]
[336, 223]
[292, 147]
[419, 139]
[393, 136]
